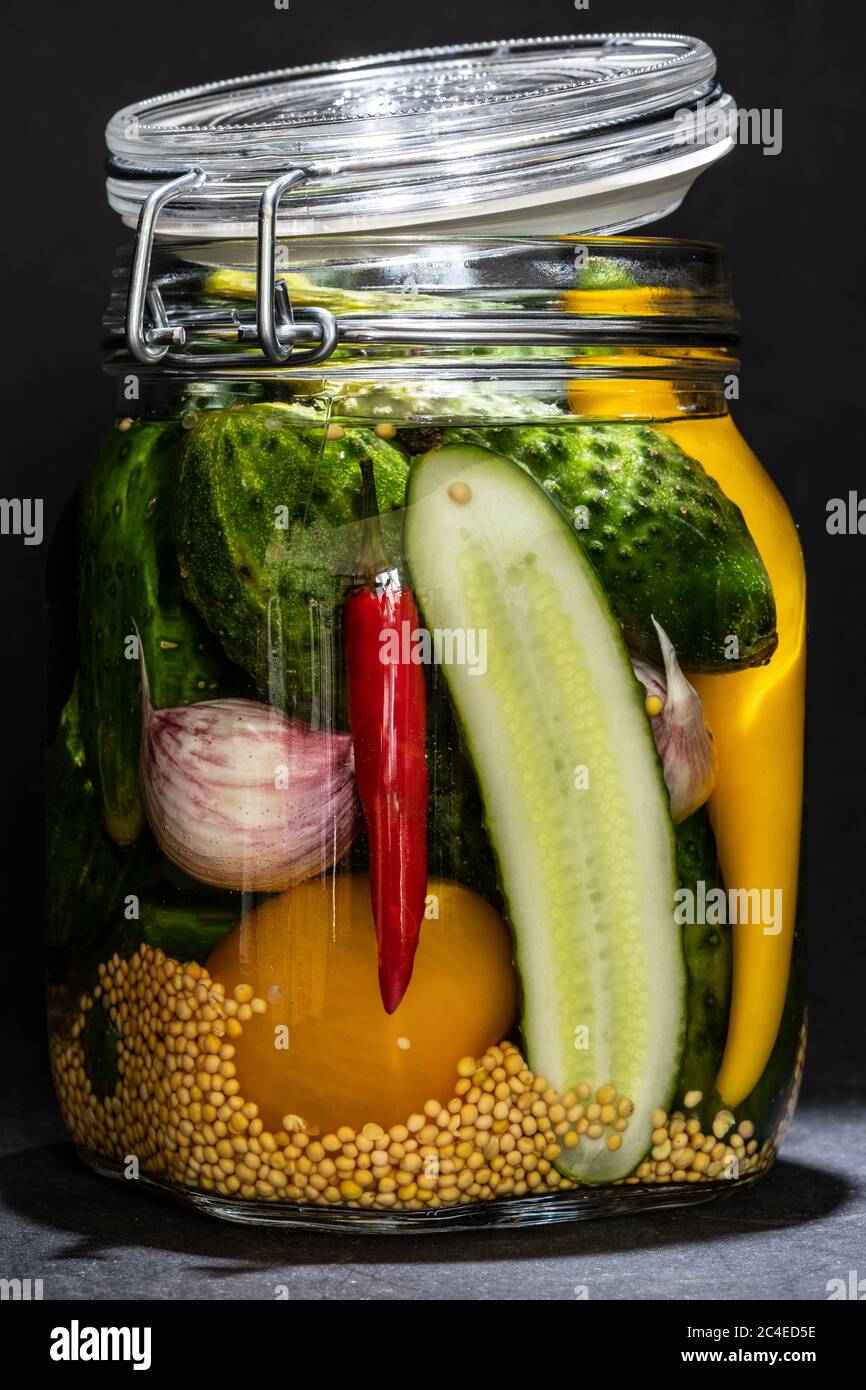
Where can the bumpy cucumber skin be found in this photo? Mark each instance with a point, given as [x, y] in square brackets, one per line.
[129, 579]
[677, 991]
[88, 874]
[663, 538]
[268, 532]
[708, 965]
[237, 467]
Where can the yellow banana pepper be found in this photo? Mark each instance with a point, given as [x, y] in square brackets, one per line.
[757, 718]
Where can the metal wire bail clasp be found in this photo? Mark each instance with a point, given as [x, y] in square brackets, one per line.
[274, 316]
[149, 345]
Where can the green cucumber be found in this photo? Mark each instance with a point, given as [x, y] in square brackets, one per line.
[99, 1041]
[663, 538]
[576, 806]
[268, 525]
[604, 273]
[185, 930]
[129, 579]
[457, 845]
[88, 874]
[708, 964]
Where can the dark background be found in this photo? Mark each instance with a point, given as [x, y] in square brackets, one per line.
[791, 226]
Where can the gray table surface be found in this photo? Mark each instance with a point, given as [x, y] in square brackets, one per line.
[88, 1238]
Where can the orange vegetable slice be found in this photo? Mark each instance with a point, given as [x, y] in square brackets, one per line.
[325, 1050]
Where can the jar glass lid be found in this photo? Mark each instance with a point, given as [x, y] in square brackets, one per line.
[587, 133]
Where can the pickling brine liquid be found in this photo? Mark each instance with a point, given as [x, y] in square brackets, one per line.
[425, 809]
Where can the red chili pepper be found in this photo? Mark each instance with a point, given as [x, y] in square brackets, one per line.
[388, 718]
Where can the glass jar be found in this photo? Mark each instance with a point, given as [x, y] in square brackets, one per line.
[426, 784]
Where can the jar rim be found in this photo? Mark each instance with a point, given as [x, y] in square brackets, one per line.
[588, 136]
[412, 296]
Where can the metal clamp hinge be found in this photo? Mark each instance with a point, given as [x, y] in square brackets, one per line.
[277, 328]
[274, 316]
[150, 344]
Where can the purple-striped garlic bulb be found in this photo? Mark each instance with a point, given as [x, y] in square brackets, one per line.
[239, 796]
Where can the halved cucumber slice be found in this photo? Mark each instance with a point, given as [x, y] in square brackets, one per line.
[575, 802]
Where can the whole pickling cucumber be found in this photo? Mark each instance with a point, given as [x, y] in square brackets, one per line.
[89, 874]
[268, 526]
[268, 514]
[708, 955]
[663, 538]
[130, 580]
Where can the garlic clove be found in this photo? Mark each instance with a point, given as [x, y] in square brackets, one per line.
[683, 740]
[241, 797]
